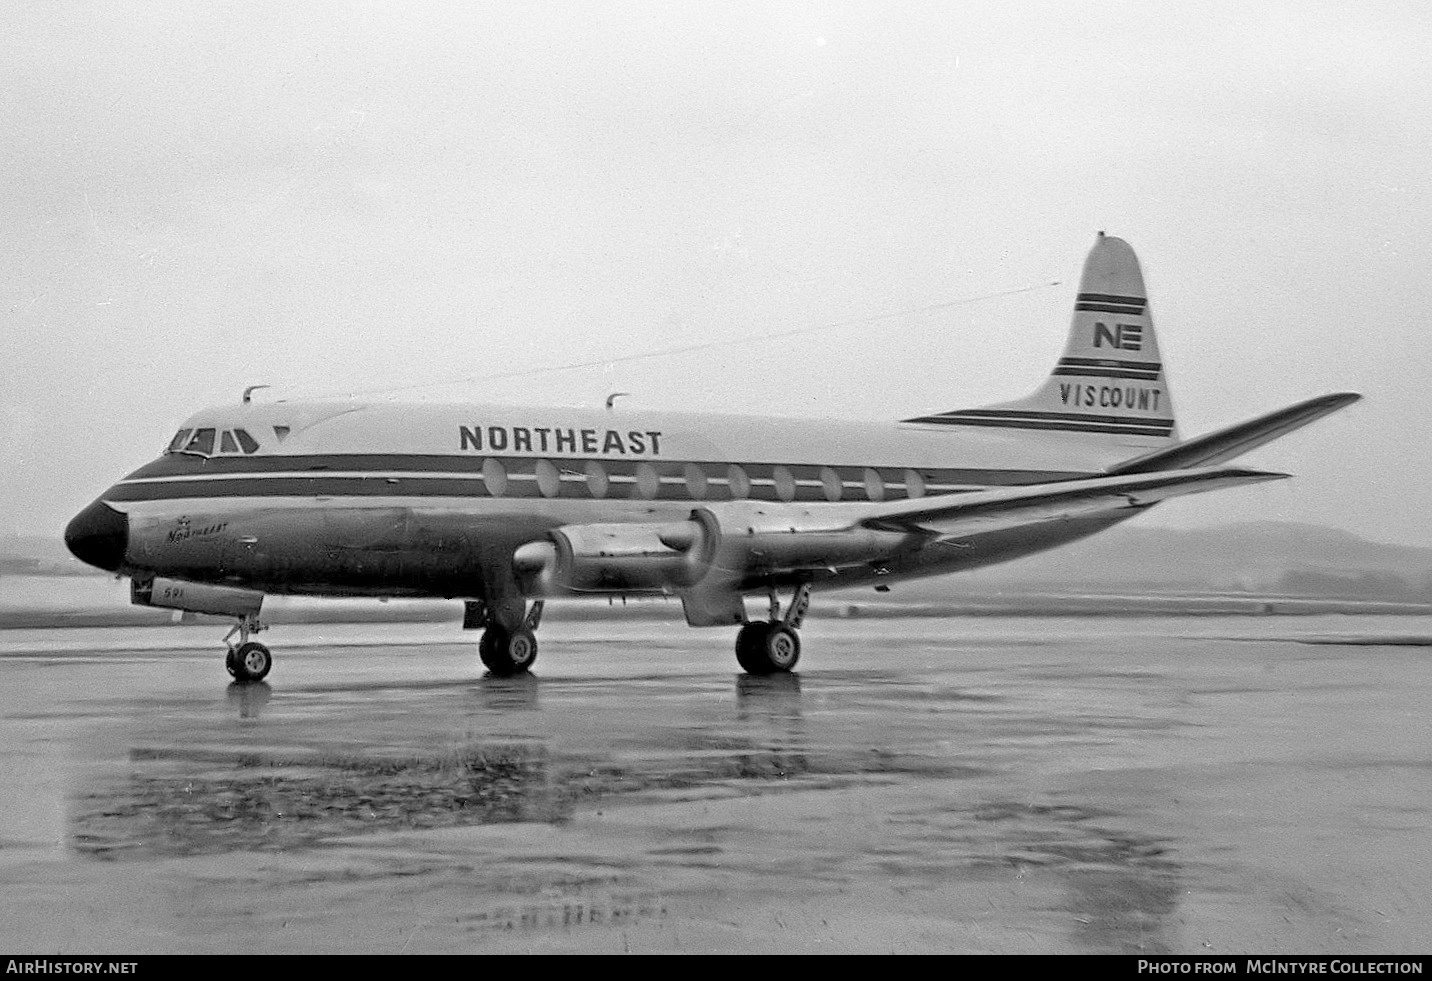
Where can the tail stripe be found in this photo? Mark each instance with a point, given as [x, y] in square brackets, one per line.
[1110, 303]
[1109, 308]
[1110, 363]
[1152, 428]
[1131, 301]
[1043, 414]
[1109, 373]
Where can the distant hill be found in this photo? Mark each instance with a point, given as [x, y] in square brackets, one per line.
[36, 555]
[1256, 558]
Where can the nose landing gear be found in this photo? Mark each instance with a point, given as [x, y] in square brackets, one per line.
[773, 646]
[248, 660]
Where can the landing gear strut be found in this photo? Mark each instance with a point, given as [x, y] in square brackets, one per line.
[248, 660]
[511, 650]
[774, 646]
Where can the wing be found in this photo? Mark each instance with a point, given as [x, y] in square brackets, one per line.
[1227, 443]
[957, 515]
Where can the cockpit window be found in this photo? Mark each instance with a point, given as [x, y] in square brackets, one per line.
[201, 442]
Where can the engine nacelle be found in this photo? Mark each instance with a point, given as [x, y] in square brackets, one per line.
[616, 558]
[177, 594]
[732, 543]
[759, 539]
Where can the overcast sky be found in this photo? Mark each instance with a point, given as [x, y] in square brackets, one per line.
[333, 197]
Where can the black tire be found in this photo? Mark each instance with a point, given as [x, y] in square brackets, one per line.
[229, 664]
[505, 652]
[252, 662]
[763, 647]
[748, 642]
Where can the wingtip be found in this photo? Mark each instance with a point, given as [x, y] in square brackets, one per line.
[1255, 476]
[1241, 474]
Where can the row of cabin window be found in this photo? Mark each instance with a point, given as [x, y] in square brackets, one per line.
[202, 441]
[647, 482]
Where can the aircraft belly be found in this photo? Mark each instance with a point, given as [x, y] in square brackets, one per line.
[335, 550]
[425, 548]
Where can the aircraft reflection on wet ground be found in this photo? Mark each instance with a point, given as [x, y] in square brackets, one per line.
[185, 799]
[305, 783]
[1071, 788]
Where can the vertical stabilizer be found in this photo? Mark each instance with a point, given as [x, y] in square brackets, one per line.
[1109, 387]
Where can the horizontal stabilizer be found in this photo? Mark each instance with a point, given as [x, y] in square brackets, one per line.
[1225, 444]
[978, 512]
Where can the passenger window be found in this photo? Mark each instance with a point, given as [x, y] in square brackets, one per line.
[596, 479]
[549, 481]
[201, 442]
[180, 438]
[830, 484]
[648, 482]
[695, 481]
[494, 477]
[249, 444]
[874, 485]
[226, 443]
[739, 483]
[914, 484]
[785, 483]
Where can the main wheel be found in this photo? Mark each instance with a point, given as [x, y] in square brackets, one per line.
[767, 648]
[749, 641]
[507, 652]
[251, 662]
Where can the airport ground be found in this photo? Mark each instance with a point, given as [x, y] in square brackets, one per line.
[1185, 785]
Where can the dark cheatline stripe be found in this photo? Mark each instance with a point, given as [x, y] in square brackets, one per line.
[1043, 414]
[1053, 424]
[1109, 373]
[522, 485]
[1110, 308]
[429, 464]
[1111, 363]
[181, 465]
[1132, 301]
[300, 487]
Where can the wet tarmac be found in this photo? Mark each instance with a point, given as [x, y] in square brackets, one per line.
[961, 785]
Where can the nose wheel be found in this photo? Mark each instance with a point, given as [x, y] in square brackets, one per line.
[248, 660]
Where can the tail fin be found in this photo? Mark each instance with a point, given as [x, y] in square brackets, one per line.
[1109, 387]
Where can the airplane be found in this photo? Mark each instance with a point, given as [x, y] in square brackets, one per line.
[505, 508]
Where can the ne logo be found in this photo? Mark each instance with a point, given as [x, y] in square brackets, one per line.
[1124, 337]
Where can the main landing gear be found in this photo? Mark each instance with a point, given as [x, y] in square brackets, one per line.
[511, 650]
[773, 646]
[248, 660]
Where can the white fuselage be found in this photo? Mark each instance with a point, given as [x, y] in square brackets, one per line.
[430, 499]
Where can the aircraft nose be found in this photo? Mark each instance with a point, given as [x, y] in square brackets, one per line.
[99, 535]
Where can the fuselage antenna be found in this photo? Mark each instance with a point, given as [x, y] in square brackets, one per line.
[612, 399]
[249, 392]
